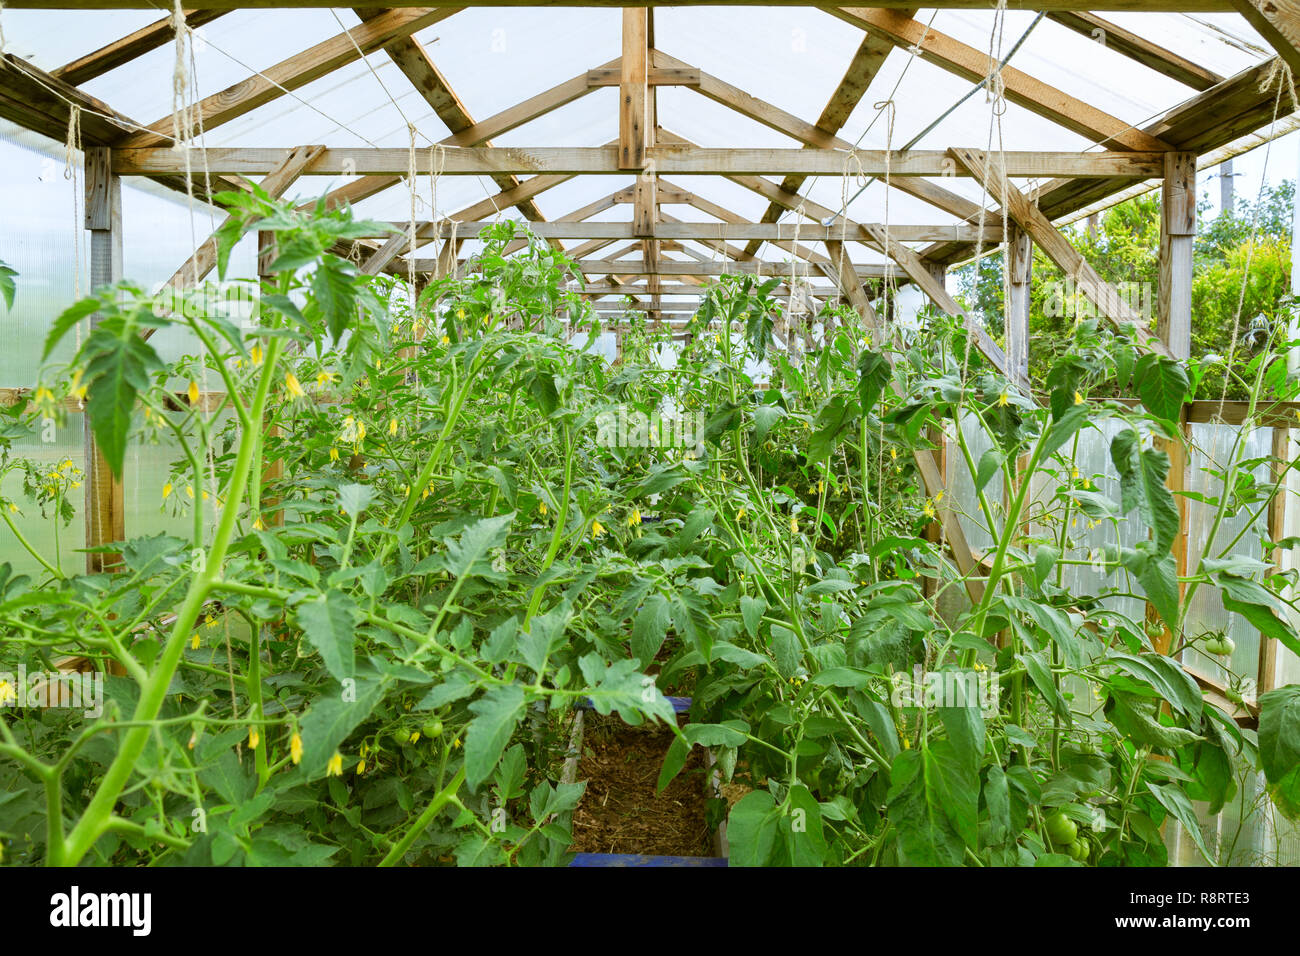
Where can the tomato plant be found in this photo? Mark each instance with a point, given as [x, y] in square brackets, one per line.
[411, 548]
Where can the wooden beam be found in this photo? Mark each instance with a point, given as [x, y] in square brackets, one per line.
[1174, 326]
[119, 52]
[1178, 6]
[672, 267]
[812, 136]
[295, 72]
[1055, 246]
[413, 60]
[1021, 88]
[1138, 48]
[204, 259]
[633, 116]
[862, 70]
[40, 102]
[1206, 122]
[1278, 22]
[105, 508]
[1177, 240]
[1020, 262]
[476, 135]
[397, 245]
[734, 228]
[667, 160]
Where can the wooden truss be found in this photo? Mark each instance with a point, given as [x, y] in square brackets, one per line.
[811, 243]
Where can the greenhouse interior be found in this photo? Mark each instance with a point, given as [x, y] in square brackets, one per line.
[686, 436]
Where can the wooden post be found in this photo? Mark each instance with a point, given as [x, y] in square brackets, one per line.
[634, 126]
[1174, 327]
[1020, 263]
[105, 506]
[1267, 678]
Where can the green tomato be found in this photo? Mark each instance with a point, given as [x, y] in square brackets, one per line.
[432, 728]
[1061, 830]
[1079, 850]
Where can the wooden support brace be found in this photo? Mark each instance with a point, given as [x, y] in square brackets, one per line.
[105, 507]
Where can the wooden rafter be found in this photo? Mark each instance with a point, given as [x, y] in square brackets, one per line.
[414, 61]
[1021, 88]
[1181, 6]
[119, 52]
[864, 66]
[1278, 22]
[1055, 245]
[1138, 48]
[275, 184]
[297, 71]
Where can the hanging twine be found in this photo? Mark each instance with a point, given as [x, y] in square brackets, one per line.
[890, 110]
[1280, 75]
[71, 148]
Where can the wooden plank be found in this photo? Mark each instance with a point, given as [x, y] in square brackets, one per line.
[668, 159]
[1055, 246]
[1206, 122]
[297, 71]
[1177, 239]
[1139, 49]
[1278, 22]
[613, 76]
[1020, 260]
[413, 60]
[1021, 88]
[37, 101]
[1282, 456]
[397, 245]
[734, 228]
[105, 508]
[204, 259]
[672, 267]
[634, 105]
[1180, 6]
[119, 52]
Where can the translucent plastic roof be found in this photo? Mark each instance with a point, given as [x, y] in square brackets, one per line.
[791, 57]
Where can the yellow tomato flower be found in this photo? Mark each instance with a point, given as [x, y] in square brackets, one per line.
[634, 518]
[1074, 474]
[189, 490]
[1078, 399]
[7, 693]
[460, 314]
[256, 354]
[794, 525]
[259, 525]
[295, 748]
[392, 427]
[446, 340]
[334, 453]
[455, 743]
[938, 496]
[361, 767]
[821, 486]
[415, 737]
[597, 529]
[13, 507]
[740, 514]
[254, 738]
[193, 392]
[542, 508]
[893, 453]
[335, 766]
[1003, 400]
[907, 744]
[167, 490]
[292, 385]
[194, 641]
[929, 509]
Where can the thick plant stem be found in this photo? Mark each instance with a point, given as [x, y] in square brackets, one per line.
[94, 821]
[440, 800]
